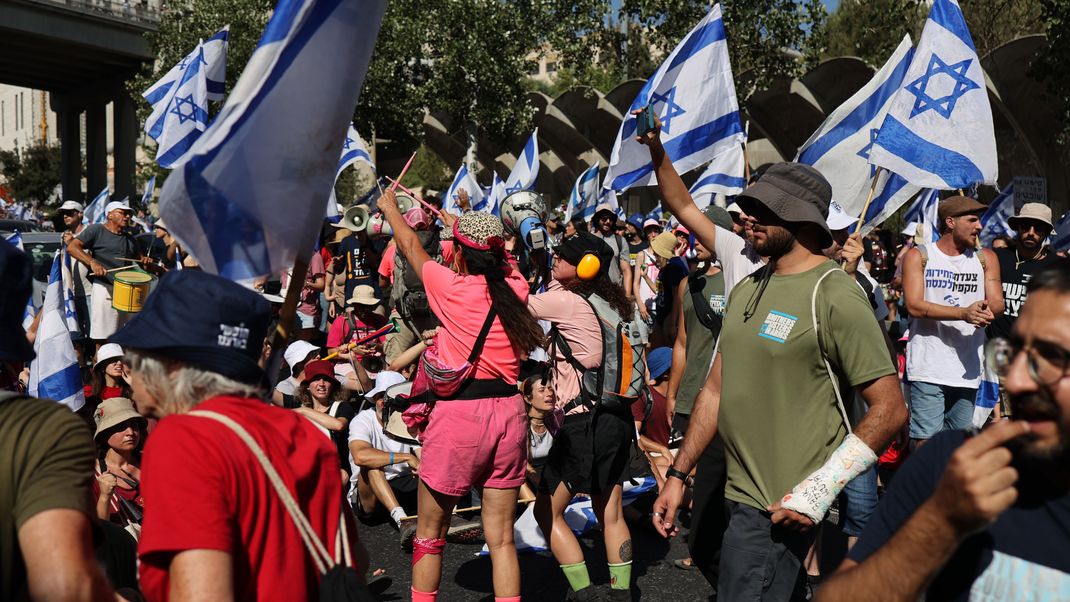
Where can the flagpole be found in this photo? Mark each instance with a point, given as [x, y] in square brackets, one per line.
[281, 336]
[869, 199]
[746, 160]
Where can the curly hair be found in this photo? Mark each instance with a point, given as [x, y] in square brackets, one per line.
[605, 288]
[304, 396]
[523, 331]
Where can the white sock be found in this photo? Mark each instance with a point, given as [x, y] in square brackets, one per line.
[397, 514]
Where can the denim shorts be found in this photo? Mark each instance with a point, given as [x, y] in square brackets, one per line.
[935, 408]
[859, 502]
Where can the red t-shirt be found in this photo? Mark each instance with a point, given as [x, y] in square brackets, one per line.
[340, 331]
[461, 303]
[204, 489]
[106, 392]
[656, 425]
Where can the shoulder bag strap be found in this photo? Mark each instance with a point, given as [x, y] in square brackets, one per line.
[477, 348]
[315, 547]
[824, 356]
[696, 284]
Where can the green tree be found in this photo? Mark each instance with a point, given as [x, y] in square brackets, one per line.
[872, 29]
[993, 23]
[32, 173]
[1053, 66]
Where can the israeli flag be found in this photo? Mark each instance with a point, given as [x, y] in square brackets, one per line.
[250, 199]
[526, 169]
[724, 175]
[656, 213]
[585, 195]
[353, 150]
[987, 397]
[840, 148]
[493, 198]
[466, 180]
[891, 192]
[695, 97]
[150, 187]
[54, 373]
[182, 115]
[94, 213]
[15, 238]
[996, 220]
[1061, 234]
[930, 216]
[215, 57]
[938, 132]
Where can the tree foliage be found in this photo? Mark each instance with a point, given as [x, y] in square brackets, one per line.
[32, 173]
[872, 29]
[993, 23]
[1053, 66]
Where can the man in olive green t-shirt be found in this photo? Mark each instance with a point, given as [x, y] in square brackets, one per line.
[773, 391]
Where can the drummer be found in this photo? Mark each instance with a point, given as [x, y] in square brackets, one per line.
[103, 248]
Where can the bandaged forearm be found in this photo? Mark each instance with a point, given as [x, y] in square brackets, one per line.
[815, 494]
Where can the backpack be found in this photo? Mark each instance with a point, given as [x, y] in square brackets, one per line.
[408, 295]
[621, 378]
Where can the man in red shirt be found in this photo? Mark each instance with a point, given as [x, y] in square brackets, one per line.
[215, 527]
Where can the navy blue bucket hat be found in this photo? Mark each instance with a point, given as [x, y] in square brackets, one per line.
[16, 273]
[205, 321]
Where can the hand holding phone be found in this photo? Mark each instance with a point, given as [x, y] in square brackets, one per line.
[645, 121]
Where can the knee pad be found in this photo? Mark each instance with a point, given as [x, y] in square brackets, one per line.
[422, 546]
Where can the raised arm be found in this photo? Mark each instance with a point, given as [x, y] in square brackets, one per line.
[408, 244]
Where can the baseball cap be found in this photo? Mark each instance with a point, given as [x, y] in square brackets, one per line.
[718, 216]
[71, 206]
[794, 192]
[651, 223]
[1035, 211]
[114, 205]
[958, 206]
[318, 369]
[573, 248]
[838, 218]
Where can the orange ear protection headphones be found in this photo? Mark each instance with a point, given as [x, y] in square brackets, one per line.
[588, 267]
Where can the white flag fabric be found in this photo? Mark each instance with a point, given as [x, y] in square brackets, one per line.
[585, 194]
[723, 175]
[694, 95]
[839, 149]
[54, 372]
[526, 170]
[182, 115]
[353, 150]
[250, 199]
[493, 198]
[466, 180]
[996, 220]
[890, 193]
[215, 57]
[938, 132]
[94, 212]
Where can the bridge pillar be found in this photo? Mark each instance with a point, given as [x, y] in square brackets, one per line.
[96, 148]
[125, 126]
[68, 120]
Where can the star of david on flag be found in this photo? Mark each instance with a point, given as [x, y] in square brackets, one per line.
[585, 194]
[694, 96]
[184, 115]
[526, 169]
[94, 212]
[938, 132]
[466, 180]
[215, 64]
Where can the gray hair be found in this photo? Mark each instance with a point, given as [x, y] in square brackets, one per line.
[179, 387]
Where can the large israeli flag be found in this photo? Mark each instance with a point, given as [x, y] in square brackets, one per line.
[723, 175]
[840, 148]
[54, 373]
[250, 199]
[526, 169]
[1060, 237]
[891, 192]
[996, 220]
[585, 194]
[215, 57]
[94, 212]
[466, 180]
[938, 132]
[694, 95]
[182, 115]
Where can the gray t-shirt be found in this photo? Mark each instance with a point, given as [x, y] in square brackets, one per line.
[620, 249]
[107, 248]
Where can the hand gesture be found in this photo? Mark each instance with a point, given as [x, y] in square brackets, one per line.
[107, 482]
[978, 314]
[852, 253]
[665, 507]
[388, 201]
[789, 518]
[644, 313]
[653, 135]
[447, 219]
[462, 199]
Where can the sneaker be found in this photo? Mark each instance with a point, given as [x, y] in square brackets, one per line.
[407, 531]
[587, 594]
[618, 595]
[464, 531]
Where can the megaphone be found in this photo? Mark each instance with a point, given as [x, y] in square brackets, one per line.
[523, 213]
[377, 226]
[355, 218]
[405, 202]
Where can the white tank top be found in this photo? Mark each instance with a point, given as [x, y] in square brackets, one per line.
[948, 352]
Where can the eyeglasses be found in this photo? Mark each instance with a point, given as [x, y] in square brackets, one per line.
[1047, 362]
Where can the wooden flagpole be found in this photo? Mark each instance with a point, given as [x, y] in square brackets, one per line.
[869, 199]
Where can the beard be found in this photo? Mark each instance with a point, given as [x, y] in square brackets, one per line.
[778, 241]
[1029, 455]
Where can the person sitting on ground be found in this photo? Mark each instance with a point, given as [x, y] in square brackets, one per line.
[297, 355]
[654, 427]
[120, 437]
[358, 321]
[539, 398]
[323, 401]
[384, 469]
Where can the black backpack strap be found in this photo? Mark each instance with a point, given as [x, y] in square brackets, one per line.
[696, 284]
[477, 348]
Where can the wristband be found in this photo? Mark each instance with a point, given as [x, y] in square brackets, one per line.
[679, 474]
[391, 458]
[815, 494]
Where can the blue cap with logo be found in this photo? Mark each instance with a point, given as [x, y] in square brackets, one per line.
[204, 321]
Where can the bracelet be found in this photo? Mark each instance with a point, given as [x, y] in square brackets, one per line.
[391, 458]
[679, 474]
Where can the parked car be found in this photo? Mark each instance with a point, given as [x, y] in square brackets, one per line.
[8, 226]
[42, 248]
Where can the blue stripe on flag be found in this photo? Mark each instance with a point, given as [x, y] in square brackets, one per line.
[950, 17]
[215, 87]
[722, 179]
[178, 149]
[955, 169]
[712, 33]
[158, 94]
[61, 385]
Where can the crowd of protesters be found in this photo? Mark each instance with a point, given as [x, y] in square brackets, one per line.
[778, 377]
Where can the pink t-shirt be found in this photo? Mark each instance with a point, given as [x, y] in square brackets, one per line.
[578, 324]
[309, 303]
[340, 327]
[461, 303]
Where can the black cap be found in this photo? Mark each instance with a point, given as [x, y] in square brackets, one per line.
[794, 192]
[573, 248]
[202, 320]
[16, 273]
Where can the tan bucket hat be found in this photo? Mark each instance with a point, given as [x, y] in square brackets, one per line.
[113, 412]
[1035, 211]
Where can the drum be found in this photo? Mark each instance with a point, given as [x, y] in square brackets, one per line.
[393, 424]
[130, 289]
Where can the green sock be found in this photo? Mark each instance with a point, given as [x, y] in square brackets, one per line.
[620, 575]
[577, 575]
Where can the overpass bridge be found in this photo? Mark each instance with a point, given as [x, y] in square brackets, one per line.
[81, 52]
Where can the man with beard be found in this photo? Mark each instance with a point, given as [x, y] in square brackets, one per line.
[985, 517]
[952, 292]
[603, 225]
[1026, 256]
[797, 336]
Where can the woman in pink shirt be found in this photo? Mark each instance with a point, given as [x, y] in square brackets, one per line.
[478, 436]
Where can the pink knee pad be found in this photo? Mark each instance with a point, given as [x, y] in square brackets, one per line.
[426, 545]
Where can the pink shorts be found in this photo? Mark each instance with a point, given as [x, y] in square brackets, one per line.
[475, 443]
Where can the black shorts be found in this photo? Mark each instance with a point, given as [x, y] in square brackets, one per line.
[405, 490]
[590, 453]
